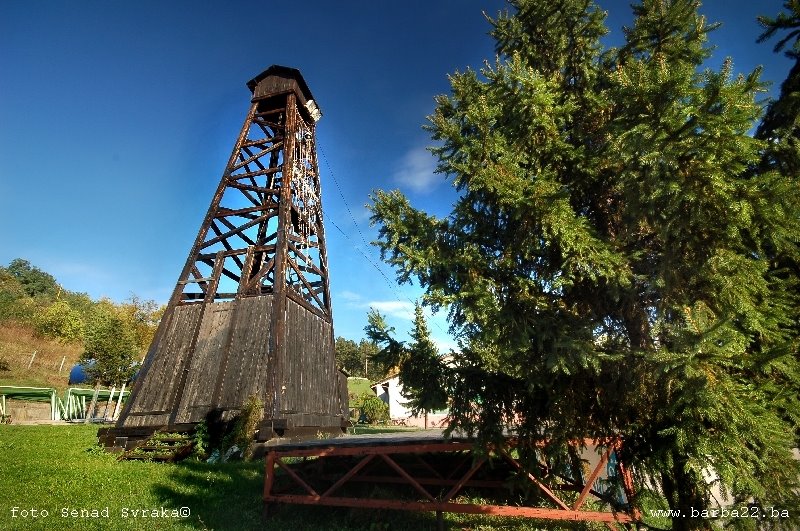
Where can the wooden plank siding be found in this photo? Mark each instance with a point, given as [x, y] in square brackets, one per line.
[247, 369]
[156, 392]
[230, 362]
[212, 337]
[312, 385]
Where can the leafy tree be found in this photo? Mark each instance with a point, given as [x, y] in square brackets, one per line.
[61, 322]
[347, 356]
[780, 128]
[358, 359]
[375, 370]
[110, 345]
[608, 264]
[80, 302]
[33, 297]
[779, 124]
[143, 317]
[374, 409]
[34, 281]
[15, 304]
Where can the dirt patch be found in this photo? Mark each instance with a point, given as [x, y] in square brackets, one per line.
[17, 347]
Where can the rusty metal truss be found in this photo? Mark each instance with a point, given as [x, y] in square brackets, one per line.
[435, 471]
[263, 232]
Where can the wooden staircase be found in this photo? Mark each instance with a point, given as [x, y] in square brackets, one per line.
[162, 447]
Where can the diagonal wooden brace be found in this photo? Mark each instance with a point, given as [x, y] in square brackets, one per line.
[411, 481]
[464, 479]
[295, 477]
[344, 479]
[592, 478]
[549, 493]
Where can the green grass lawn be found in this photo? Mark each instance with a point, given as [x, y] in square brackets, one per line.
[356, 388]
[59, 469]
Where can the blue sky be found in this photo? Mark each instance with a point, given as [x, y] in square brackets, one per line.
[117, 119]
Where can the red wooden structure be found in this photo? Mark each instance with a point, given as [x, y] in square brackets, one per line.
[436, 470]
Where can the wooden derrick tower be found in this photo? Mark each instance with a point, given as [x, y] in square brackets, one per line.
[251, 314]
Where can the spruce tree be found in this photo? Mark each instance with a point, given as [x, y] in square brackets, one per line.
[781, 131]
[779, 125]
[608, 265]
[418, 363]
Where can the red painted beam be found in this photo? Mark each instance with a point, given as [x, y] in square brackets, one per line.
[452, 507]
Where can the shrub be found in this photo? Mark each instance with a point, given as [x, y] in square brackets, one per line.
[245, 426]
[201, 439]
[373, 409]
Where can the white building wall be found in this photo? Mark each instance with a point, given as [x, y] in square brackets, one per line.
[397, 403]
[391, 392]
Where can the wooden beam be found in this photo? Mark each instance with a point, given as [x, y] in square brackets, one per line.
[259, 189]
[295, 297]
[458, 486]
[451, 507]
[344, 479]
[549, 493]
[250, 159]
[245, 175]
[277, 343]
[304, 281]
[592, 478]
[240, 228]
[241, 235]
[260, 142]
[411, 481]
[387, 452]
[225, 243]
[212, 209]
[296, 478]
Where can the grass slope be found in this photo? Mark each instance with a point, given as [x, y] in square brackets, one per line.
[59, 468]
[356, 388]
[17, 345]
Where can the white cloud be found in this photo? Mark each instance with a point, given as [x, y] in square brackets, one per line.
[349, 296]
[417, 171]
[398, 309]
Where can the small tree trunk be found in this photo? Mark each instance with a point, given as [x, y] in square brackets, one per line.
[110, 400]
[93, 403]
[119, 402]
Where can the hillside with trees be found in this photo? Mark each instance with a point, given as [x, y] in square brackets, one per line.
[45, 329]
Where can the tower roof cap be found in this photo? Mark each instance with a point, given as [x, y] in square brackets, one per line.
[282, 72]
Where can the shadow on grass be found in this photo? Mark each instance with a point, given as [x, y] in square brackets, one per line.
[228, 497]
[217, 496]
